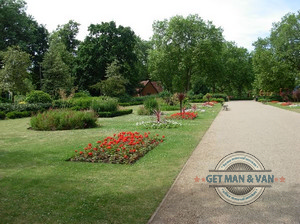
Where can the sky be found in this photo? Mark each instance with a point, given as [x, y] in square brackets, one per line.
[242, 21]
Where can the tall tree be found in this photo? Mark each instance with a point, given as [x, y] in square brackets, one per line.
[57, 74]
[276, 59]
[19, 29]
[237, 65]
[180, 47]
[13, 74]
[105, 43]
[68, 33]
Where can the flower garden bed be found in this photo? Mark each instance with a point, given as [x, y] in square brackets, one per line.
[122, 148]
[184, 116]
[159, 125]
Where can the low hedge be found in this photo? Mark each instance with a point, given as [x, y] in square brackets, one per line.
[2, 115]
[18, 114]
[115, 113]
[63, 119]
[32, 107]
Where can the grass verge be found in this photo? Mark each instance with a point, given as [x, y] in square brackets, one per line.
[295, 109]
[38, 185]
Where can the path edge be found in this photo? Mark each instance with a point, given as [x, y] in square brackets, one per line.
[183, 168]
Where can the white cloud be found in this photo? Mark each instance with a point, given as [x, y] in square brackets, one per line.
[243, 21]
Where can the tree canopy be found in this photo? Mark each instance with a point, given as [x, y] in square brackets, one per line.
[105, 43]
[184, 54]
[276, 59]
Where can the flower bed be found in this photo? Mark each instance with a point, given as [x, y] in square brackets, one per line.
[122, 148]
[184, 116]
[286, 104]
[159, 125]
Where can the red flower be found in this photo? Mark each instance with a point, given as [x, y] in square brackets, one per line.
[90, 153]
[76, 151]
[80, 152]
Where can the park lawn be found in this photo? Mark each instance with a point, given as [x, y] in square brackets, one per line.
[295, 109]
[38, 185]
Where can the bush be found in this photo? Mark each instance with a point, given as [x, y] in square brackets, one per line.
[4, 100]
[81, 103]
[18, 114]
[142, 111]
[105, 105]
[115, 113]
[151, 104]
[2, 115]
[32, 107]
[82, 94]
[63, 120]
[38, 96]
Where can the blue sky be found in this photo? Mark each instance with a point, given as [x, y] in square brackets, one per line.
[243, 21]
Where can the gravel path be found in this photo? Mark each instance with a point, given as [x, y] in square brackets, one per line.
[273, 136]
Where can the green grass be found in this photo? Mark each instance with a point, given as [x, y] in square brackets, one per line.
[38, 185]
[295, 109]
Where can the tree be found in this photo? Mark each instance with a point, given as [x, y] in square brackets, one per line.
[114, 85]
[56, 68]
[180, 51]
[67, 33]
[14, 73]
[238, 74]
[19, 29]
[105, 43]
[276, 59]
[141, 50]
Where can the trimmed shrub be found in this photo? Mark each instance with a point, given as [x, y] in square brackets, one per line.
[63, 120]
[114, 113]
[38, 96]
[32, 107]
[2, 115]
[105, 105]
[81, 103]
[18, 114]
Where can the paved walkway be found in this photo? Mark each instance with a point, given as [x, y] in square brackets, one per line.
[273, 136]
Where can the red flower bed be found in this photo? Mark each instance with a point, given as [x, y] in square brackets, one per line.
[274, 101]
[212, 103]
[125, 147]
[286, 104]
[184, 115]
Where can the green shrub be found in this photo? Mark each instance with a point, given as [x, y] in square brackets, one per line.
[2, 115]
[105, 105]
[115, 113]
[82, 94]
[151, 104]
[4, 100]
[18, 114]
[61, 104]
[38, 96]
[63, 120]
[32, 107]
[81, 103]
[142, 111]
[219, 100]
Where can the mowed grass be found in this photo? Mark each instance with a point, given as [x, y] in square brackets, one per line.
[38, 185]
[295, 109]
